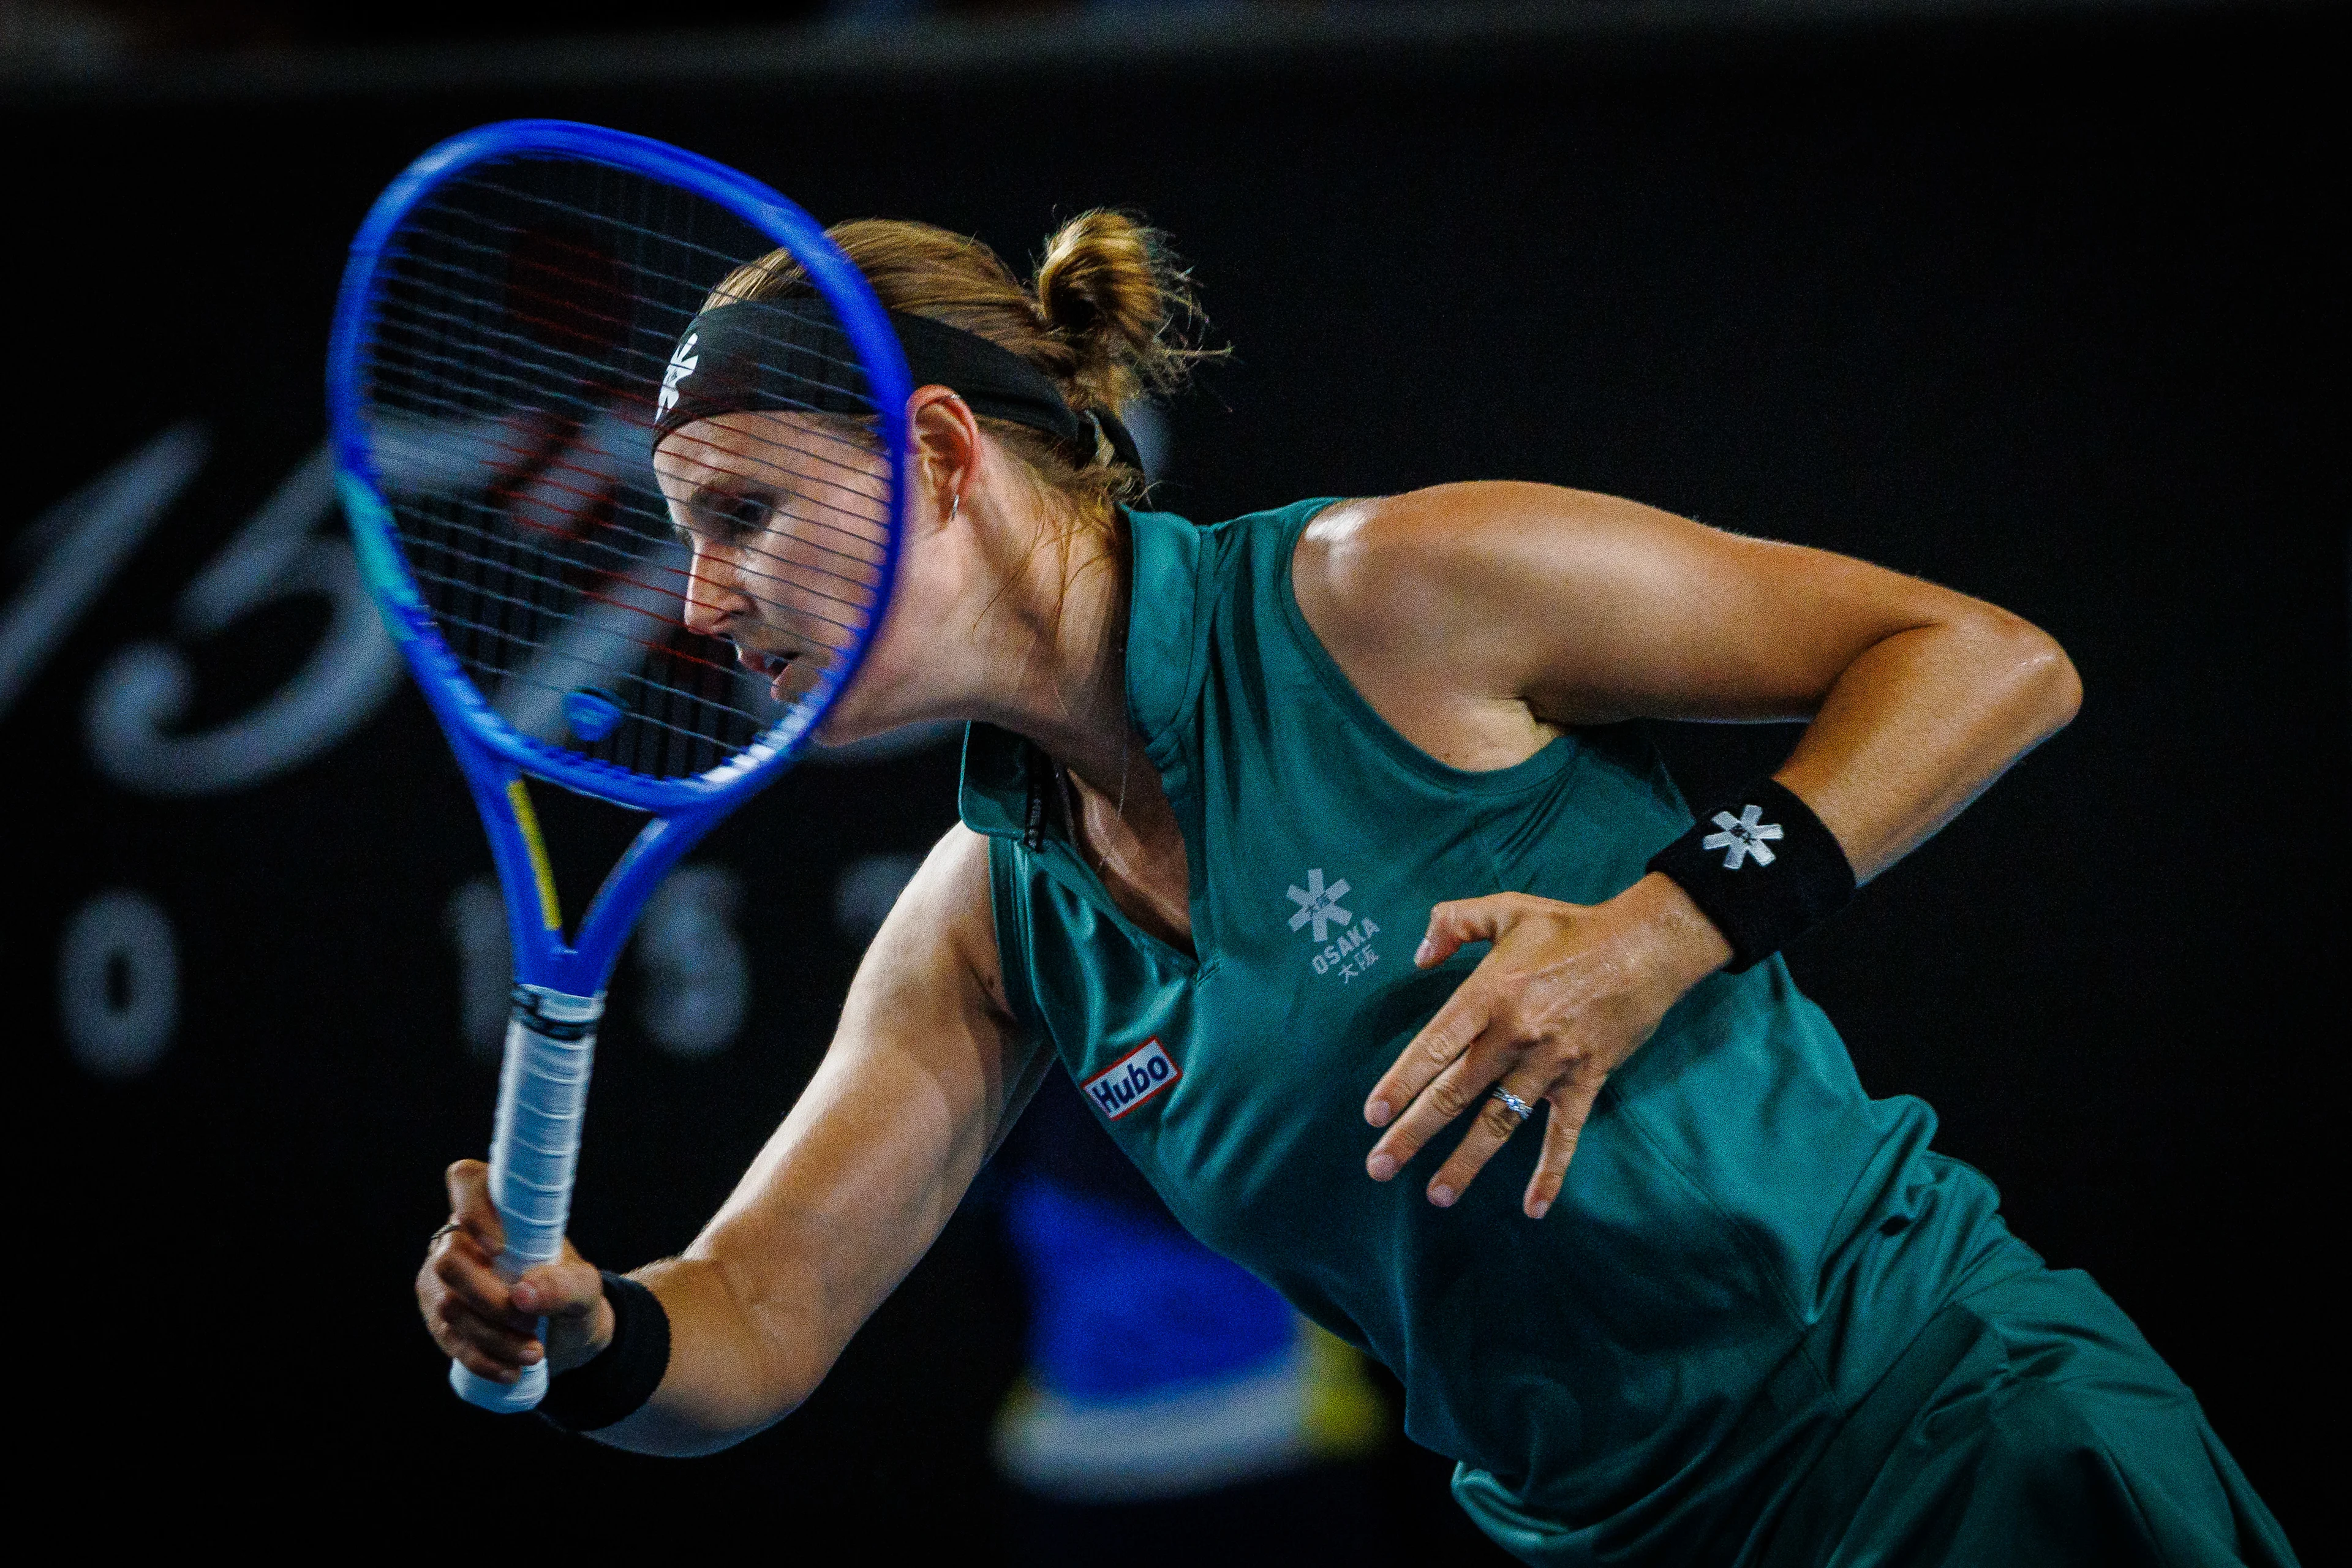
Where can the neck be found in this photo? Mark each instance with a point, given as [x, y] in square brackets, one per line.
[1014, 617]
[1062, 680]
[1054, 670]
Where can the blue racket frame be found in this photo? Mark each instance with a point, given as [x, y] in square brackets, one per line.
[559, 984]
[491, 752]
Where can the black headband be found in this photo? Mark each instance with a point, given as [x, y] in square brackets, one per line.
[791, 357]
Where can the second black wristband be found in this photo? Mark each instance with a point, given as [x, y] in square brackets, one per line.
[614, 1383]
[1762, 867]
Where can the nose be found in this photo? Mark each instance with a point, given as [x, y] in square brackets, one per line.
[713, 594]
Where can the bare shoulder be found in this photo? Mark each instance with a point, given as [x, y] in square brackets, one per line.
[1443, 605]
[1478, 616]
[1446, 519]
[1427, 570]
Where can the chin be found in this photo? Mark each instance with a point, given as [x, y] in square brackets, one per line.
[875, 702]
[832, 731]
[845, 723]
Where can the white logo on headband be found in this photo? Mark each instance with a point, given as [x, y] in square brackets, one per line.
[681, 365]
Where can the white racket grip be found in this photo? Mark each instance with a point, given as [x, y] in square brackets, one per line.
[534, 1150]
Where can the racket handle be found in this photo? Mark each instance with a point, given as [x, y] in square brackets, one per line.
[534, 1150]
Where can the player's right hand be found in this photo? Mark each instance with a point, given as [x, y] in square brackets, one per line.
[485, 1324]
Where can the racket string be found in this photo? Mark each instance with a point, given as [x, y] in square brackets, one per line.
[604, 490]
[522, 679]
[513, 367]
[636, 566]
[658, 357]
[846, 446]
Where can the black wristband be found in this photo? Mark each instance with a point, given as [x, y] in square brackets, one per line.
[1762, 867]
[616, 1381]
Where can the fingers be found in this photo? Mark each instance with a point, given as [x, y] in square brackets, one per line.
[492, 1341]
[1489, 1131]
[474, 1346]
[1570, 1104]
[470, 1206]
[1466, 1015]
[495, 1326]
[1569, 1101]
[1462, 920]
[1563, 998]
[467, 1309]
[470, 1273]
[1449, 1093]
[569, 1287]
[1442, 1040]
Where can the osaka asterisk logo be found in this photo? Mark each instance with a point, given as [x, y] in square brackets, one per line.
[683, 363]
[1320, 904]
[1742, 835]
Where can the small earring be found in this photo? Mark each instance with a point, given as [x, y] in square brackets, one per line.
[955, 508]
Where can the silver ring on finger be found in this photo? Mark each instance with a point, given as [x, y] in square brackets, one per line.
[1514, 1104]
[435, 1239]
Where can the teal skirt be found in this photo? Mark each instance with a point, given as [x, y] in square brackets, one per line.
[2028, 1423]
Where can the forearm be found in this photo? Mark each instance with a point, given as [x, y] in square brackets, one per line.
[767, 1297]
[701, 1350]
[735, 1367]
[1920, 723]
[847, 1196]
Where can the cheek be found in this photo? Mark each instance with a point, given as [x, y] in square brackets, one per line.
[934, 615]
[919, 609]
[897, 656]
[828, 579]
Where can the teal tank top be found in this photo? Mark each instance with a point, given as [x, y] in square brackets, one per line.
[1745, 1240]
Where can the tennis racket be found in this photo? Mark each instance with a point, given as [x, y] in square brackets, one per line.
[510, 319]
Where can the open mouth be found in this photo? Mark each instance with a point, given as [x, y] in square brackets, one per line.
[776, 666]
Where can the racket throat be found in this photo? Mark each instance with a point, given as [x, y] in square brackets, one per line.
[534, 842]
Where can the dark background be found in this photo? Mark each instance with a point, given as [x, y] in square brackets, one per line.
[2037, 304]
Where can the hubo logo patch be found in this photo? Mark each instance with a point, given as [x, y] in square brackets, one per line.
[1133, 1078]
[683, 361]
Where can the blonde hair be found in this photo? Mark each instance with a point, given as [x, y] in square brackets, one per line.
[1109, 315]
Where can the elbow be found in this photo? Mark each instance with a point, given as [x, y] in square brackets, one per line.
[2045, 686]
[791, 1377]
[2067, 698]
[777, 1363]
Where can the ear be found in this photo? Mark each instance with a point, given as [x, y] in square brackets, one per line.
[946, 439]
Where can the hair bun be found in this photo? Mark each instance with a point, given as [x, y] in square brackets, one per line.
[1108, 287]
[1109, 315]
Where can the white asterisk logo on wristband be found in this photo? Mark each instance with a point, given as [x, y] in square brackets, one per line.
[1742, 837]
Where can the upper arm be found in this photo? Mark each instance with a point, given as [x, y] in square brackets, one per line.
[1587, 608]
[924, 1072]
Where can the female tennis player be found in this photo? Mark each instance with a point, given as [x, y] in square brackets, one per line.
[1307, 838]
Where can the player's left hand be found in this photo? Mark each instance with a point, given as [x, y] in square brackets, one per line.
[1569, 992]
